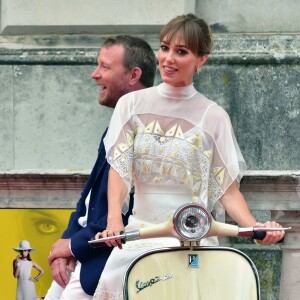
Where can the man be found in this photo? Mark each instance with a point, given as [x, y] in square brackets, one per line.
[125, 64]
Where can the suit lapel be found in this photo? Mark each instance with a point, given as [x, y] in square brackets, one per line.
[99, 165]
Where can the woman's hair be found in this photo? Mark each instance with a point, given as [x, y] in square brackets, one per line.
[138, 53]
[195, 32]
[28, 255]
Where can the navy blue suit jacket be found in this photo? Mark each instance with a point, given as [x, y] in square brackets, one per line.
[92, 260]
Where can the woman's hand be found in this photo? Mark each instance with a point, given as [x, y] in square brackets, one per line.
[116, 193]
[114, 227]
[271, 237]
[17, 262]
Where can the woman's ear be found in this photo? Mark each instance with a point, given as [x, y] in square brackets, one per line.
[202, 60]
[136, 74]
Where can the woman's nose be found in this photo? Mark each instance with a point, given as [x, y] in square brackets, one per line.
[170, 57]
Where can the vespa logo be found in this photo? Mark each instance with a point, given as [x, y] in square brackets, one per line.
[142, 285]
[193, 261]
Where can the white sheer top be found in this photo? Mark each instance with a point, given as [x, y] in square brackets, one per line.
[167, 136]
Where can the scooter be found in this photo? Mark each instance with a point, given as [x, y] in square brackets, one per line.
[191, 271]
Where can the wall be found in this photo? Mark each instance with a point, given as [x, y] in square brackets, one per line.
[50, 118]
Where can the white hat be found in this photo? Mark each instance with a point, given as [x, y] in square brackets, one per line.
[24, 245]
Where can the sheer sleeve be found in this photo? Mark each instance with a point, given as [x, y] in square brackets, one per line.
[119, 143]
[227, 163]
[193, 139]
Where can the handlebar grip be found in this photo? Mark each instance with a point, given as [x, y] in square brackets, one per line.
[103, 244]
[97, 245]
[258, 235]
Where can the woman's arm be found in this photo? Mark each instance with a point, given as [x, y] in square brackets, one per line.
[41, 271]
[116, 194]
[237, 208]
[16, 267]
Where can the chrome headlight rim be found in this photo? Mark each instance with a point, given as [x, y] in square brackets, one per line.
[187, 207]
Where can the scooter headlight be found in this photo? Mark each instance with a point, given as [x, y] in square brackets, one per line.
[191, 222]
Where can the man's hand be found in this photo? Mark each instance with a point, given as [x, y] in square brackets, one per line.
[62, 262]
[61, 269]
[60, 249]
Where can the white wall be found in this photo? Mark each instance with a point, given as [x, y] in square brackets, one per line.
[261, 16]
[92, 16]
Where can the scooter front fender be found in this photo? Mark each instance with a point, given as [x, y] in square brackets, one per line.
[202, 273]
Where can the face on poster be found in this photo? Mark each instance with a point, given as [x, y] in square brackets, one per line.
[41, 227]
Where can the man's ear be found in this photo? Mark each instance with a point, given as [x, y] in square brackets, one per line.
[136, 74]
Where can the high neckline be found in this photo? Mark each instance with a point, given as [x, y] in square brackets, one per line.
[170, 91]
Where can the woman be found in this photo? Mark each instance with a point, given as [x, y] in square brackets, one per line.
[174, 146]
[22, 267]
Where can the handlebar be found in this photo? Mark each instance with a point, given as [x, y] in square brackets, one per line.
[98, 243]
[254, 233]
[191, 222]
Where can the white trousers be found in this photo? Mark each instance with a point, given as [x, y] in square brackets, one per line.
[73, 290]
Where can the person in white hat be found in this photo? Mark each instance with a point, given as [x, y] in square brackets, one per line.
[22, 266]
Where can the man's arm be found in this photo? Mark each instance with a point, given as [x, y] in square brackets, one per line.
[61, 259]
[61, 269]
[74, 242]
[77, 246]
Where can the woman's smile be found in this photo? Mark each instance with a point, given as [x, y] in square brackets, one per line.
[177, 63]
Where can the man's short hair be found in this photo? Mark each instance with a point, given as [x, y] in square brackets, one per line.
[138, 53]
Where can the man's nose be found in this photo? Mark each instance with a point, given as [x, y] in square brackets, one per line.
[96, 74]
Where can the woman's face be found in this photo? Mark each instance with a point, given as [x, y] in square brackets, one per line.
[177, 63]
[24, 253]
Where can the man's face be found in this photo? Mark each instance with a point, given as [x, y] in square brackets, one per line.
[111, 76]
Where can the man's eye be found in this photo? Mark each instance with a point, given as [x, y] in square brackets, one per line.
[104, 67]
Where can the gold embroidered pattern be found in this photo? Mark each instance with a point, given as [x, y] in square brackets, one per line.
[170, 157]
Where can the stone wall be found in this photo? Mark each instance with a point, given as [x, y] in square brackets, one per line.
[50, 117]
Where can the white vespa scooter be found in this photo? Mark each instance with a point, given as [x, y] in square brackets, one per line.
[191, 271]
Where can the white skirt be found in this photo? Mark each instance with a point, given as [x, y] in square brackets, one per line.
[150, 207]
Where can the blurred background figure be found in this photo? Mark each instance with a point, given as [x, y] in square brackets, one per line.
[42, 227]
[22, 267]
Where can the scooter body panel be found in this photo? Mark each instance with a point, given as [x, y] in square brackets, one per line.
[202, 273]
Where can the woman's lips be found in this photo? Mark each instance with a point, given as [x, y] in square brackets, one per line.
[169, 69]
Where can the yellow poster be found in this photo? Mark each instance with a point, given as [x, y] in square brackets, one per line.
[41, 227]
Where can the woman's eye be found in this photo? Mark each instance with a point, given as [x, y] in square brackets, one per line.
[163, 47]
[46, 226]
[181, 52]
